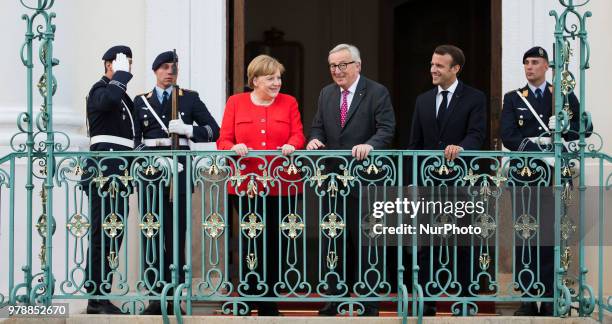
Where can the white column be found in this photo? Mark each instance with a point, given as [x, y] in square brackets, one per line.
[197, 30]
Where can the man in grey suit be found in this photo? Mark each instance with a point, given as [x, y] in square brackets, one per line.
[353, 113]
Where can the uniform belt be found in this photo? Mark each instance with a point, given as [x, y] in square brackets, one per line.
[541, 140]
[111, 139]
[152, 142]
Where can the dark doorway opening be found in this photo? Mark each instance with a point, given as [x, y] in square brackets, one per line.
[420, 26]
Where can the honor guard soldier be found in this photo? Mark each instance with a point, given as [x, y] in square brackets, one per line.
[528, 112]
[153, 126]
[527, 124]
[111, 128]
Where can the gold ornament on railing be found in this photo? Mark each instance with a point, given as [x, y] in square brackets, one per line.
[443, 170]
[213, 170]
[333, 226]
[526, 225]
[566, 258]
[372, 169]
[113, 260]
[319, 178]
[292, 169]
[113, 225]
[526, 172]
[78, 170]
[150, 170]
[567, 227]
[332, 188]
[485, 261]
[78, 225]
[126, 178]
[251, 189]
[332, 260]
[237, 178]
[292, 226]
[100, 180]
[214, 225]
[345, 178]
[264, 178]
[150, 226]
[252, 226]
[251, 261]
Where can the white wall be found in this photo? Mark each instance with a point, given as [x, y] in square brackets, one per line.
[85, 30]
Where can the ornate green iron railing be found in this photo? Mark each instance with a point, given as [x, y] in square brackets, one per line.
[325, 244]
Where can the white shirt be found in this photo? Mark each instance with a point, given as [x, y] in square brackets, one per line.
[449, 95]
[351, 90]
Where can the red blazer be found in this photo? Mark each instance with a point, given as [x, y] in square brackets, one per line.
[262, 128]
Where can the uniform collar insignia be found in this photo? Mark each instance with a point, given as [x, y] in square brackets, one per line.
[180, 92]
[525, 93]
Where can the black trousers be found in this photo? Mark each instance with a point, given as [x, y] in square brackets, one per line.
[531, 259]
[271, 261]
[159, 247]
[369, 254]
[104, 245]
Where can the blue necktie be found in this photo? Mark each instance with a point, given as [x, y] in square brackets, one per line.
[539, 96]
[164, 98]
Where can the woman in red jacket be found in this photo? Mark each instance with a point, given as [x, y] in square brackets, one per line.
[263, 119]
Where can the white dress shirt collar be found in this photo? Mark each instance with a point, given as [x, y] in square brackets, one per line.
[353, 86]
[533, 88]
[450, 89]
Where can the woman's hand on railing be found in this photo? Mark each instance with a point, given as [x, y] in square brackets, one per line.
[287, 149]
[240, 149]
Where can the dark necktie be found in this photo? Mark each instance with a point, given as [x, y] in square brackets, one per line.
[539, 97]
[164, 98]
[442, 109]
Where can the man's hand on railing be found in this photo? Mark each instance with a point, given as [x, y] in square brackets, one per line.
[361, 151]
[452, 151]
[287, 149]
[240, 149]
[165, 162]
[314, 144]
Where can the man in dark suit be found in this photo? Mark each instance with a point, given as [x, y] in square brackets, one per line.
[153, 126]
[449, 117]
[353, 113]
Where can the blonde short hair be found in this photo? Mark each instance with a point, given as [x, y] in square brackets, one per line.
[263, 65]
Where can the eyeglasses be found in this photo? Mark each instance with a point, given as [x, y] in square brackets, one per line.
[341, 66]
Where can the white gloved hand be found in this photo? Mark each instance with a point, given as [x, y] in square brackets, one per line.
[165, 162]
[121, 63]
[552, 123]
[177, 126]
